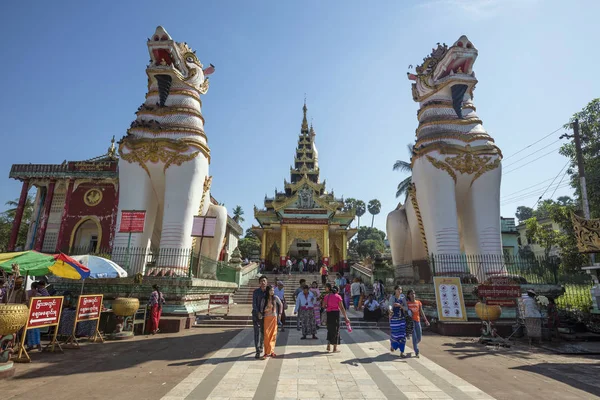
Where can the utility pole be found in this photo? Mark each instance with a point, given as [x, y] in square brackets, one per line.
[582, 186]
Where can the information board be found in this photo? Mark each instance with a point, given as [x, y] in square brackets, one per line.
[449, 299]
[43, 311]
[218, 300]
[89, 308]
[132, 221]
[204, 226]
[499, 291]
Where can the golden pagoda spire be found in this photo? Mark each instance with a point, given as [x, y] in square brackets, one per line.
[304, 121]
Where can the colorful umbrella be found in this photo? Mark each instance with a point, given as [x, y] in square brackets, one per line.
[101, 267]
[38, 264]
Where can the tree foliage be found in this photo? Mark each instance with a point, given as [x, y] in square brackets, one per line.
[349, 204]
[361, 209]
[406, 167]
[368, 242]
[563, 240]
[589, 130]
[6, 222]
[374, 209]
[237, 214]
[523, 213]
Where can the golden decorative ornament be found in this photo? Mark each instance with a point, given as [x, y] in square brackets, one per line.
[467, 163]
[444, 121]
[412, 193]
[463, 137]
[12, 318]
[486, 312]
[168, 151]
[442, 104]
[305, 234]
[443, 166]
[125, 307]
[162, 111]
[92, 197]
[488, 167]
[205, 191]
[587, 233]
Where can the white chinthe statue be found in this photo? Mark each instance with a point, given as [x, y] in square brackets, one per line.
[163, 168]
[453, 206]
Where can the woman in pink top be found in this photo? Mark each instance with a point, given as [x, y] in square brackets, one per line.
[333, 303]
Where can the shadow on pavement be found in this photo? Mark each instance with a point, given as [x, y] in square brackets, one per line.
[464, 350]
[120, 355]
[577, 375]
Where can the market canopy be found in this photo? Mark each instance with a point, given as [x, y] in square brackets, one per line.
[37, 264]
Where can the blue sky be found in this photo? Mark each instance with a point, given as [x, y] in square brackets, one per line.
[73, 76]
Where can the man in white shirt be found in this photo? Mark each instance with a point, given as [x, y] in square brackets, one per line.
[372, 312]
[288, 266]
[305, 305]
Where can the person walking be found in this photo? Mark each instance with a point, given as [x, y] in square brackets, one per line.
[155, 304]
[334, 304]
[270, 314]
[314, 289]
[416, 308]
[305, 304]
[280, 292]
[398, 311]
[257, 323]
[355, 292]
[324, 274]
[363, 294]
[288, 267]
[296, 293]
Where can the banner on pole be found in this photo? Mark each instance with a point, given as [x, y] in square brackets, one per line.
[449, 299]
[204, 226]
[132, 221]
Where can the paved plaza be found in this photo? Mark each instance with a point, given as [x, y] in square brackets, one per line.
[363, 369]
[213, 363]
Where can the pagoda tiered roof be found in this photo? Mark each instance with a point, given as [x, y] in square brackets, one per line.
[304, 178]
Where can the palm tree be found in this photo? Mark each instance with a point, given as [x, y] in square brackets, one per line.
[237, 214]
[374, 209]
[404, 166]
[349, 204]
[360, 209]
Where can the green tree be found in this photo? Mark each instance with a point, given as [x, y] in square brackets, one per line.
[368, 241]
[349, 204]
[237, 214]
[404, 166]
[374, 209]
[370, 247]
[589, 130]
[6, 221]
[523, 213]
[250, 234]
[361, 209]
[564, 240]
[248, 247]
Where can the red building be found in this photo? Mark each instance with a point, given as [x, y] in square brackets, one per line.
[75, 203]
[75, 207]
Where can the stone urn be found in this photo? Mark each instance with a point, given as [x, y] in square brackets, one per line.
[12, 318]
[125, 306]
[486, 312]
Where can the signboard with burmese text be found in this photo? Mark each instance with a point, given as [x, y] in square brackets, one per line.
[43, 311]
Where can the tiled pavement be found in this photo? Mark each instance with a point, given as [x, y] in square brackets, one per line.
[363, 369]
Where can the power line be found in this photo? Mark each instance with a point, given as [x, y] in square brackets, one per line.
[528, 188]
[535, 159]
[534, 143]
[538, 200]
[531, 194]
[561, 179]
[530, 154]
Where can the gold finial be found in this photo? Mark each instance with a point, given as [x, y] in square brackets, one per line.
[304, 121]
[112, 151]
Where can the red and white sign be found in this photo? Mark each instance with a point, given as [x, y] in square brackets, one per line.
[44, 311]
[132, 221]
[496, 291]
[502, 302]
[204, 226]
[89, 307]
[218, 299]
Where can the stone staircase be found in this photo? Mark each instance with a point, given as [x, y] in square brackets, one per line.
[240, 314]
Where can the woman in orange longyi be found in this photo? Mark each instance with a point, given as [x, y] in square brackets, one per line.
[271, 308]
